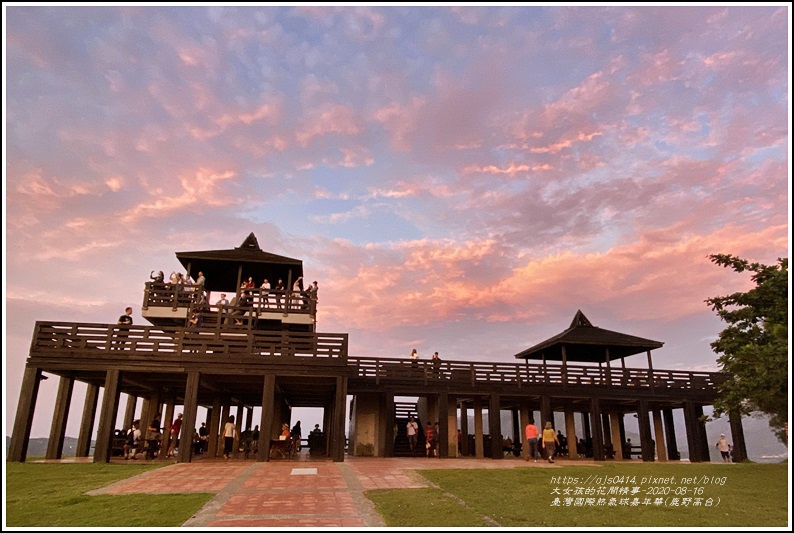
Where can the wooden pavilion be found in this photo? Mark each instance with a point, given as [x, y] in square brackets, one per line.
[264, 351]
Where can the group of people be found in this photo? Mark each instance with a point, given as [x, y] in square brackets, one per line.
[134, 443]
[431, 434]
[548, 440]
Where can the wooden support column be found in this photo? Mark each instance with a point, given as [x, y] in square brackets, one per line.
[669, 433]
[609, 367]
[146, 406]
[452, 426]
[213, 428]
[238, 423]
[129, 411]
[225, 411]
[249, 418]
[737, 435]
[704, 440]
[20, 438]
[165, 440]
[598, 430]
[570, 433]
[524, 415]
[464, 429]
[388, 422]
[564, 367]
[495, 426]
[692, 432]
[661, 451]
[87, 421]
[59, 417]
[189, 417]
[546, 414]
[479, 442]
[266, 420]
[615, 418]
[107, 417]
[644, 420]
[338, 437]
[442, 409]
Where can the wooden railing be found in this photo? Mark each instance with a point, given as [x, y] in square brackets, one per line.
[252, 300]
[472, 373]
[89, 339]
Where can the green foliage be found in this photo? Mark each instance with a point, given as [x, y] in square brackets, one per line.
[54, 495]
[754, 346]
[752, 495]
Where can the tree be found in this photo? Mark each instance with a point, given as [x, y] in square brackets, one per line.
[754, 346]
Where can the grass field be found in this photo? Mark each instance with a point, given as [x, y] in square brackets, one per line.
[54, 495]
[743, 495]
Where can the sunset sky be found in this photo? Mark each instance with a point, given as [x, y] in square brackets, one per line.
[457, 179]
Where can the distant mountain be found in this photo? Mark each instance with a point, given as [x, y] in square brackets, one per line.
[38, 447]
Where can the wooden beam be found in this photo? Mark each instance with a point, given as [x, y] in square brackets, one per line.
[661, 451]
[129, 411]
[339, 420]
[387, 420]
[59, 418]
[213, 428]
[28, 394]
[570, 433]
[495, 426]
[737, 434]
[644, 420]
[107, 417]
[669, 433]
[266, 419]
[615, 418]
[479, 443]
[87, 421]
[443, 424]
[189, 417]
[464, 429]
[598, 430]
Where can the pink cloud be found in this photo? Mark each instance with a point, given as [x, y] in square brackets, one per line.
[328, 119]
[200, 187]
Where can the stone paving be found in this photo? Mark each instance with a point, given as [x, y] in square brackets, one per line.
[294, 493]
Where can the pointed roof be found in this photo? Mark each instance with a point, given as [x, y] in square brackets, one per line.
[221, 267]
[585, 342]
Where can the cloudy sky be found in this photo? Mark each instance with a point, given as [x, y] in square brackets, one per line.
[457, 179]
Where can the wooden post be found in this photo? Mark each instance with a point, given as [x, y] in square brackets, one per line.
[479, 443]
[644, 421]
[669, 433]
[661, 452]
[546, 413]
[213, 428]
[225, 411]
[570, 433]
[59, 418]
[598, 431]
[564, 366]
[238, 422]
[495, 426]
[443, 424]
[266, 419]
[464, 429]
[388, 421]
[609, 367]
[165, 439]
[129, 412]
[617, 442]
[20, 438]
[107, 417]
[189, 417]
[338, 437]
[692, 435]
[87, 421]
[524, 415]
[701, 429]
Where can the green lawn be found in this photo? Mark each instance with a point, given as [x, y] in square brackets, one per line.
[751, 495]
[54, 495]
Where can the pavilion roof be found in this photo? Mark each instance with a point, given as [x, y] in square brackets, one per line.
[585, 342]
[222, 267]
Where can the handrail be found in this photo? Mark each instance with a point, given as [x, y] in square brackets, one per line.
[472, 373]
[259, 300]
[82, 338]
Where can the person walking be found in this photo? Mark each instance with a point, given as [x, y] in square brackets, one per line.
[532, 440]
[550, 441]
[724, 448]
